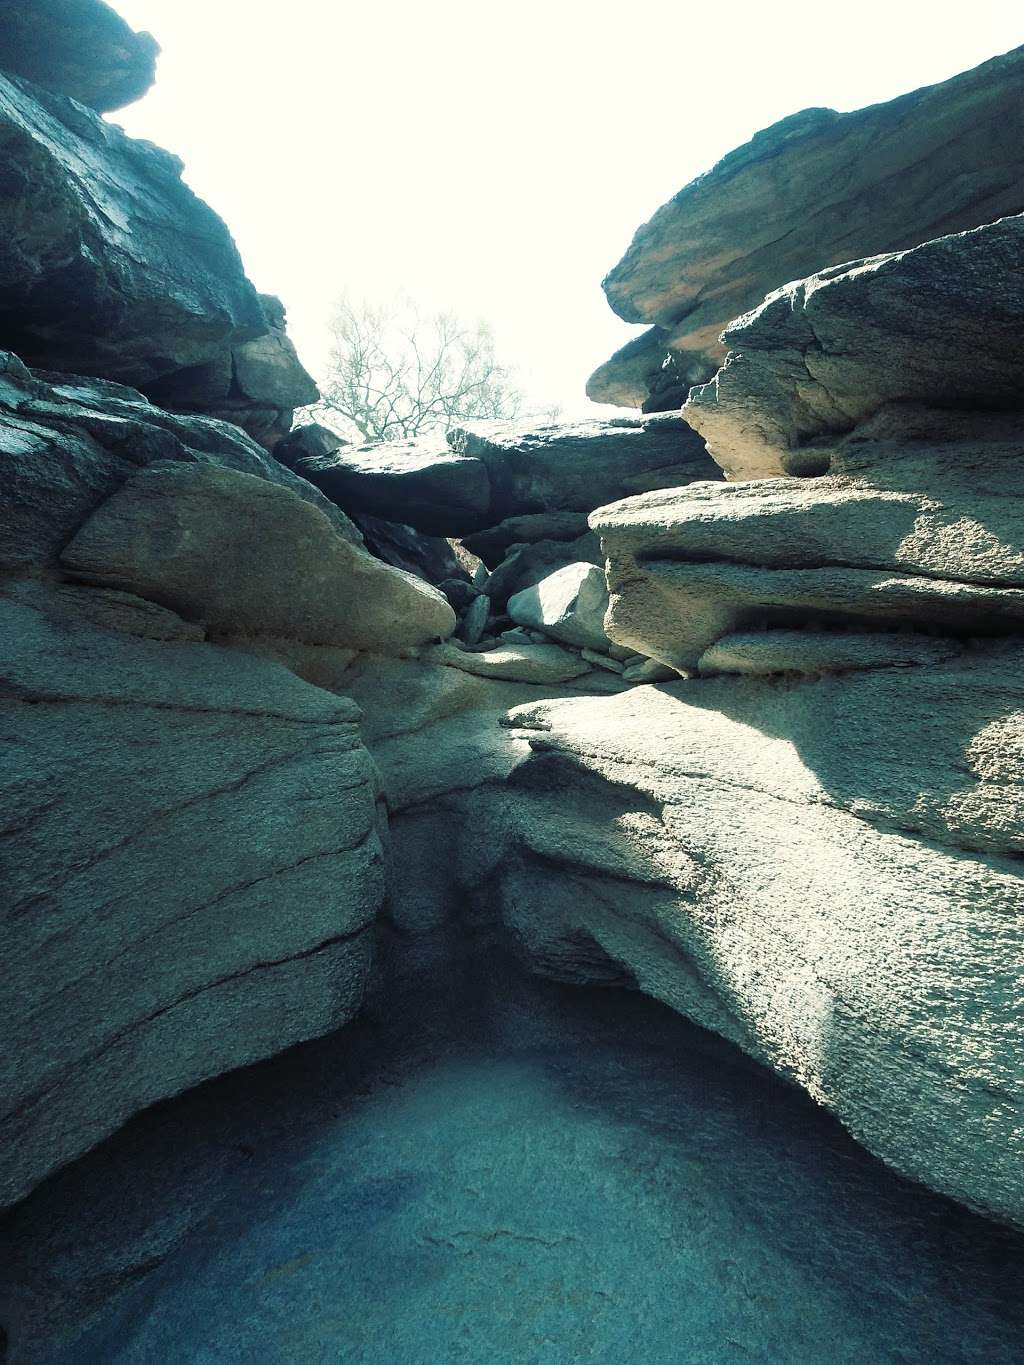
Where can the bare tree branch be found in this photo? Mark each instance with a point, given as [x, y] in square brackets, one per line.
[394, 373]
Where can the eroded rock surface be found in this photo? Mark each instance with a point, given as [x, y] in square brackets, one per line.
[192, 856]
[814, 190]
[788, 865]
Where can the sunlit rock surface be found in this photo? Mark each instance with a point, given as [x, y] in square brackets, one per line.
[814, 190]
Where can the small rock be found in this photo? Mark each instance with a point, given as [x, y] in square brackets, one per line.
[528, 663]
[569, 605]
[475, 620]
[650, 671]
[602, 660]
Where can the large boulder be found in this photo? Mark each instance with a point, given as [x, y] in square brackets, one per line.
[190, 869]
[569, 605]
[942, 324]
[811, 191]
[111, 266]
[827, 874]
[192, 859]
[79, 48]
[68, 442]
[485, 473]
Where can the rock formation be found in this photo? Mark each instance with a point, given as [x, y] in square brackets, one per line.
[79, 48]
[815, 190]
[733, 725]
[112, 267]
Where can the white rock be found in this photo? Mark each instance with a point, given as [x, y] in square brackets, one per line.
[569, 605]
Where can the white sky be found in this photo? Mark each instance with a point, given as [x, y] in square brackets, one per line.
[497, 158]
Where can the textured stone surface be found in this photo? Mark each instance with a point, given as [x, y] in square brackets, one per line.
[492, 1166]
[568, 605]
[111, 265]
[418, 483]
[238, 554]
[522, 663]
[812, 191]
[80, 48]
[942, 325]
[190, 864]
[919, 524]
[67, 443]
[825, 873]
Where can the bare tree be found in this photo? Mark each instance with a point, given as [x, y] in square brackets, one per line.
[395, 372]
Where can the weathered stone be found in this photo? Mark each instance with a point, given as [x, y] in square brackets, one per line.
[256, 385]
[67, 443]
[575, 467]
[110, 264]
[307, 442]
[241, 555]
[942, 324]
[807, 651]
[493, 543]
[79, 48]
[474, 623]
[568, 605]
[521, 663]
[190, 868]
[816, 189]
[418, 483]
[826, 873]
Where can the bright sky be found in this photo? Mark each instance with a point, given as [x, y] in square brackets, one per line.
[496, 159]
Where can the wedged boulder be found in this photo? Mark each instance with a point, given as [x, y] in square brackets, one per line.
[491, 474]
[942, 325]
[569, 605]
[493, 543]
[525, 565]
[237, 554]
[80, 48]
[826, 873]
[814, 190]
[307, 441]
[428, 557]
[574, 467]
[190, 868]
[419, 483]
[902, 535]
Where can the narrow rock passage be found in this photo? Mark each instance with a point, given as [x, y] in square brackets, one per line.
[491, 1167]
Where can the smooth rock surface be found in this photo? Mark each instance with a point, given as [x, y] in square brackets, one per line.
[814, 190]
[568, 605]
[238, 554]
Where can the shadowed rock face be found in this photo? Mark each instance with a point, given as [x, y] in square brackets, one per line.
[192, 856]
[814, 190]
[110, 266]
[79, 48]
